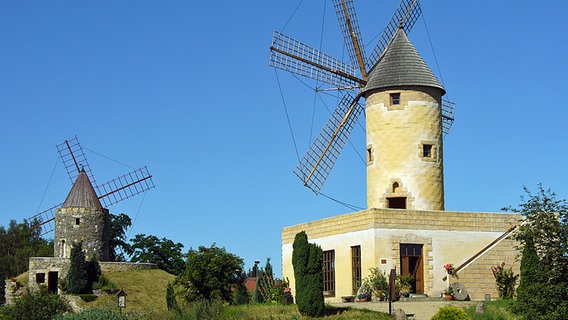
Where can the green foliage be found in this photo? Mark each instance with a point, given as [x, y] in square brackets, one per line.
[17, 244]
[241, 294]
[163, 252]
[307, 260]
[267, 289]
[96, 313]
[77, 277]
[492, 310]
[87, 297]
[207, 309]
[38, 305]
[171, 301]
[543, 238]
[106, 285]
[505, 281]
[93, 272]
[117, 236]
[376, 284]
[450, 313]
[211, 274]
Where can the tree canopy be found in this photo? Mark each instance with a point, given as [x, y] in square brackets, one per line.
[543, 238]
[166, 254]
[211, 273]
[117, 236]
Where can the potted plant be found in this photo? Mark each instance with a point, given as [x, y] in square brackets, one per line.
[448, 294]
[380, 295]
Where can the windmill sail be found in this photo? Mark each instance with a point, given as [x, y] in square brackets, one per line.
[351, 34]
[293, 56]
[315, 165]
[406, 15]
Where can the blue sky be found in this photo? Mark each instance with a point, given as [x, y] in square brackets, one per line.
[184, 87]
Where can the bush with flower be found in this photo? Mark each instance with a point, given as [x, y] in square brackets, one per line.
[505, 280]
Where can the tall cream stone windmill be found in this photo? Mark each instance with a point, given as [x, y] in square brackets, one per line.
[405, 114]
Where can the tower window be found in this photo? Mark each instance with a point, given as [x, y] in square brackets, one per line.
[77, 221]
[395, 98]
[370, 155]
[427, 151]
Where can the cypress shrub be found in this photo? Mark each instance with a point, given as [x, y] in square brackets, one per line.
[171, 301]
[77, 277]
[307, 259]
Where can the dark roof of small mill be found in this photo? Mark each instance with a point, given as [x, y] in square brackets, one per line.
[82, 194]
[401, 65]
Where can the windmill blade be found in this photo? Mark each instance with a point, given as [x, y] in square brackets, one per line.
[448, 109]
[351, 34]
[125, 186]
[293, 56]
[74, 159]
[318, 161]
[45, 220]
[406, 15]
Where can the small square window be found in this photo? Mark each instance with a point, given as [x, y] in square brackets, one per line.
[40, 277]
[77, 221]
[427, 151]
[395, 98]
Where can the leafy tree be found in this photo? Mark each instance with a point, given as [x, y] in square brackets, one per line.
[307, 259]
[38, 305]
[17, 244]
[163, 252]
[117, 236]
[211, 274]
[543, 238]
[77, 278]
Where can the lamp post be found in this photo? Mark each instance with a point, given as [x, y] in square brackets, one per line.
[121, 296]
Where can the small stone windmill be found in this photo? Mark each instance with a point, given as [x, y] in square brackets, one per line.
[82, 216]
[405, 114]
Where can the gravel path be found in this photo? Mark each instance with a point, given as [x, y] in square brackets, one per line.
[422, 310]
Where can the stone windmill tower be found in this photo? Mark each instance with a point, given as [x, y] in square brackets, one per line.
[404, 131]
[82, 218]
[405, 114]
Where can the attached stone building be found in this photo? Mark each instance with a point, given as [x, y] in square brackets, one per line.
[406, 226]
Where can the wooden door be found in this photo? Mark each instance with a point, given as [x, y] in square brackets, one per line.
[412, 263]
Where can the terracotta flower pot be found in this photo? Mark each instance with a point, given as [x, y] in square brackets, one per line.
[448, 297]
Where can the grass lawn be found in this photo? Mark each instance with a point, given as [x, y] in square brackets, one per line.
[146, 290]
[493, 310]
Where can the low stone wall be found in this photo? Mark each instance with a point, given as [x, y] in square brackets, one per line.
[125, 266]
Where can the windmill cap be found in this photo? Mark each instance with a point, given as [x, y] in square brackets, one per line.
[401, 65]
[82, 194]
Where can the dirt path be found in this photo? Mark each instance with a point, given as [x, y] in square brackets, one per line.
[422, 310]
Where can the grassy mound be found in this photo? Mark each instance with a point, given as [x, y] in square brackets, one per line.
[145, 289]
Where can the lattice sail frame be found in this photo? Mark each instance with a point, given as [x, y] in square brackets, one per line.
[316, 164]
[109, 193]
[296, 57]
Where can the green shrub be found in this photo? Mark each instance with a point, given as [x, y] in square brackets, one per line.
[87, 297]
[171, 301]
[450, 313]
[307, 259]
[77, 277]
[206, 310]
[96, 313]
[38, 305]
[505, 281]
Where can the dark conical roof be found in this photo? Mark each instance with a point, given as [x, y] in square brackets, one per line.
[82, 194]
[401, 65]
